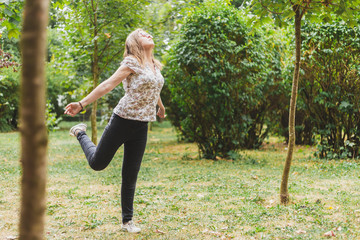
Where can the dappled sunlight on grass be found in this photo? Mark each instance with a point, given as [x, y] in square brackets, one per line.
[180, 196]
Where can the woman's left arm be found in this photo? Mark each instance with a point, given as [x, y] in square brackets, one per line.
[161, 111]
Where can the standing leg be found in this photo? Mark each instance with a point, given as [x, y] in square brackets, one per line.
[134, 150]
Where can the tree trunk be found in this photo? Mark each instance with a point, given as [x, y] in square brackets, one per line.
[284, 194]
[95, 69]
[32, 120]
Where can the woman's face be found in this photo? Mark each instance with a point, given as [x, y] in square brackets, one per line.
[146, 40]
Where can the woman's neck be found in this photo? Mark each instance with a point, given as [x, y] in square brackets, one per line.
[148, 56]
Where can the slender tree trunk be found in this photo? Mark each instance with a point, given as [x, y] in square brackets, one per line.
[284, 194]
[95, 69]
[32, 120]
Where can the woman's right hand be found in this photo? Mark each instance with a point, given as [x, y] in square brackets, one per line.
[73, 108]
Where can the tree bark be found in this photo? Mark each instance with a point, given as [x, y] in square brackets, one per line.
[95, 69]
[284, 194]
[32, 120]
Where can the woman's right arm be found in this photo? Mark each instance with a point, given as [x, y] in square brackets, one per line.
[75, 107]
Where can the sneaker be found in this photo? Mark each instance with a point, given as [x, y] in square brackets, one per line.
[77, 128]
[130, 227]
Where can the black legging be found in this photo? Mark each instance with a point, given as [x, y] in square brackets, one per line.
[131, 133]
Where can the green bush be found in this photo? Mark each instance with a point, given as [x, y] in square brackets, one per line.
[221, 81]
[330, 87]
[52, 122]
[280, 115]
[9, 99]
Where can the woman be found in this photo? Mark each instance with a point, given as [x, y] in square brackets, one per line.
[128, 125]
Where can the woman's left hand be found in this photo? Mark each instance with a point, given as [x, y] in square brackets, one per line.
[161, 112]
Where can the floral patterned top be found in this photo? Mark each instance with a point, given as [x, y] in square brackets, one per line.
[142, 92]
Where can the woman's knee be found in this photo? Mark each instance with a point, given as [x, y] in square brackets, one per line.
[97, 167]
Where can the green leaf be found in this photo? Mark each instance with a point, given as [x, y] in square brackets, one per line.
[13, 33]
[345, 104]
[8, 12]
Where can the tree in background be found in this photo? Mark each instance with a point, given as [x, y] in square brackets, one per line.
[330, 87]
[281, 11]
[95, 32]
[32, 115]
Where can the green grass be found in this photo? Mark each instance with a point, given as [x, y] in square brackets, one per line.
[182, 197]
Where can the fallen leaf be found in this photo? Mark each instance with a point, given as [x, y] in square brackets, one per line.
[329, 234]
[255, 177]
[139, 221]
[295, 173]
[338, 229]
[300, 231]
[159, 231]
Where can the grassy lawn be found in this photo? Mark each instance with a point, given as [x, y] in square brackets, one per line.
[181, 197]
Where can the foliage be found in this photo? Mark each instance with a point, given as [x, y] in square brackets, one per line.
[52, 121]
[115, 20]
[164, 19]
[281, 11]
[96, 32]
[62, 84]
[237, 3]
[6, 61]
[330, 87]
[9, 99]
[10, 17]
[9, 103]
[218, 76]
[280, 119]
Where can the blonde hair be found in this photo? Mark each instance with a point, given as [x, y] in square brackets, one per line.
[135, 49]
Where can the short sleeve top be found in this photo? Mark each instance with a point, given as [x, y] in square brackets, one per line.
[142, 92]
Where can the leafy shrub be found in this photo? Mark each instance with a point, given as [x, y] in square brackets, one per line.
[52, 122]
[9, 99]
[221, 81]
[330, 87]
[280, 116]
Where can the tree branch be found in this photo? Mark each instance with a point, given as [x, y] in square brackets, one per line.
[87, 10]
[108, 61]
[106, 46]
